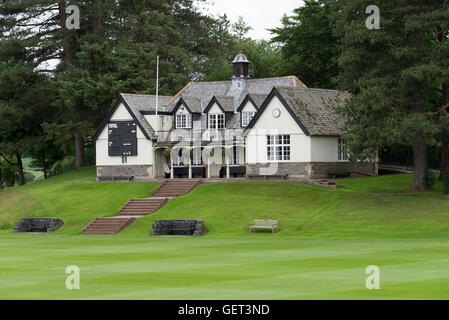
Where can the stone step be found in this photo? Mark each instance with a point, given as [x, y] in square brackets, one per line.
[142, 206]
[107, 225]
[174, 188]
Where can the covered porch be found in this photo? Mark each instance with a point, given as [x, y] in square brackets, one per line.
[172, 161]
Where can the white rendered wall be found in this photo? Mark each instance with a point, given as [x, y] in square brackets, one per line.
[144, 146]
[165, 125]
[121, 114]
[249, 107]
[256, 141]
[215, 109]
[324, 149]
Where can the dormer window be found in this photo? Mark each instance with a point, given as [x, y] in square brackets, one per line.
[183, 121]
[247, 117]
[216, 121]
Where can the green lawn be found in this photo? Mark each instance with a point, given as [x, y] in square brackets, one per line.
[33, 267]
[327, 238]
[75, 203]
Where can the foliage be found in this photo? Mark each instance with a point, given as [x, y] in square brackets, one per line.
[309, 48]
[429, 179]
[232, 38]
[114, 51]
[29, 177]
[9, 174]
[446, 183]
[393, 76]
[25, 98]
[61, 166]
[402, 154]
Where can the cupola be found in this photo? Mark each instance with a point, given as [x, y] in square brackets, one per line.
[241, 66]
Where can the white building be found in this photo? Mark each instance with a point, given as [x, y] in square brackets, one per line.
[253, 127]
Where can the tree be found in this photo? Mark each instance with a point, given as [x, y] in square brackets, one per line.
[445, 135]
[393, 76]
[231, 38]
[42, 25]
[309, 48]
[1, 176]
[442, 37]
[23, 97]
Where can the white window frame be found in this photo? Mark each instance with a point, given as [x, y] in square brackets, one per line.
[214, 119]
[279, 148]
[342, 150]
[183, 121]
[247, 117]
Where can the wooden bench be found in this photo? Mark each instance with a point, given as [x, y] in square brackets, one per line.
[338, 174]
[268, 177]
[264, 224]
[116, 178]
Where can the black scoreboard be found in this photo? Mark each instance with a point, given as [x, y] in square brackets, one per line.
[122, 138]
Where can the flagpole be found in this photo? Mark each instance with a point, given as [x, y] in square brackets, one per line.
[157, 96]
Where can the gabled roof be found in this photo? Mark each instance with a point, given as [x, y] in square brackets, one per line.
[256, 100]
[225, 103]
[312, 109]
[144, 102]
[192, 104]
[136, 105]
[206, 90]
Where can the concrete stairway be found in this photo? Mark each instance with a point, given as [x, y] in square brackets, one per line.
[142, 207]
[175, 188]
[107, 225]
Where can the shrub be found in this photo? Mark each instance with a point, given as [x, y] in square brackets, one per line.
[29, 177]
[429, 179]
[9, 175]
[446, 182]
[61, 166]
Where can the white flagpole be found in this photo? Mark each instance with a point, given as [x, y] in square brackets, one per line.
[157, 96]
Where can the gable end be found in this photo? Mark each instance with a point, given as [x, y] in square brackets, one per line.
[119, 101]
[274, 92]
[245, 101]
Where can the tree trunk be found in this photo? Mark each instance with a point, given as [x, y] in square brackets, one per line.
[20, 169]
[444, 155]
[97, 22]
[80, 160]
[420, 161]
[44, 165]
[445, 138]
[66, 39]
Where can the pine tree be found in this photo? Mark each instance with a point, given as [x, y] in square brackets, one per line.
[24, 96]
[309, 48]
[393, 74]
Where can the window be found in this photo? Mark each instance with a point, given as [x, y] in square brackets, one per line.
[183, 121]
[124, 160]
[216, 121]
[342, 150]
[196, 157]
[247, 117]
[278, 148]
